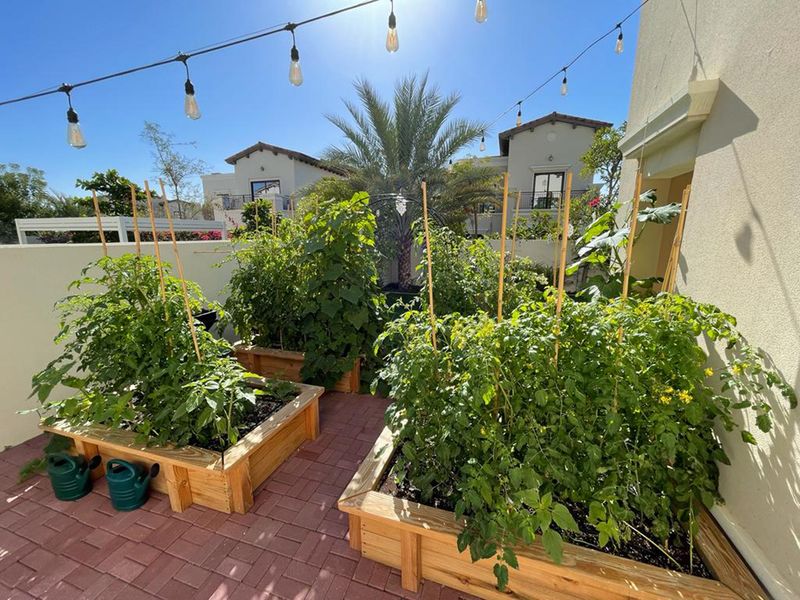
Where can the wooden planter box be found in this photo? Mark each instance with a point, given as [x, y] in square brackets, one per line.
[421, 542]
[191, 475]
[285, 364]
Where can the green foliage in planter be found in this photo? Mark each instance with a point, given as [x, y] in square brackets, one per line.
[129, 357]
[625, 429]
[313, 287]
[465, 276]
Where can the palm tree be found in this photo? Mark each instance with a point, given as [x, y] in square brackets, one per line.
[392, 148]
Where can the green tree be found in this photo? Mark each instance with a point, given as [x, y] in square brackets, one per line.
[392, 147]
[114, 193]
[465, 188]
[22, 195]
[604, 159]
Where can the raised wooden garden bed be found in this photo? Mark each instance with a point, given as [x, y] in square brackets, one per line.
[421, 542]
[285, 364]
[191, 475]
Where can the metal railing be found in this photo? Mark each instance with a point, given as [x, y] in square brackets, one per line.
[531, 201]
[238, 201]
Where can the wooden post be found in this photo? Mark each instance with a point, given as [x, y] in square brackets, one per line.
[255, 210]
[179, 264]
[430, 266]
[135, 221]
[178, 487]
[502, 248]
[155, 242]
[514, 232]
[555, 246]
[274, 219]
[668, 285]
[410, 560]
[99, 222]
[631, 235]
[562, 263]
[354, 531]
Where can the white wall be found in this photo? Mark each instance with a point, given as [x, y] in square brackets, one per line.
[529, 152]
[33, 279]
[539, 251]
[740, 248]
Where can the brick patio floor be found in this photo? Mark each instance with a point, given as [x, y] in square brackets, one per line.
[291, 545]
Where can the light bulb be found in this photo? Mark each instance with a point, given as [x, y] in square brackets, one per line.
[480, 11]
[619, 47]
[295, 73]
[519, 117]
[483, 144]
[74, 134]
[392, 43]
[564, 86]
[190, 102]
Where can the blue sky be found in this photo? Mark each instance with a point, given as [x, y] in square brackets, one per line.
[244, 93]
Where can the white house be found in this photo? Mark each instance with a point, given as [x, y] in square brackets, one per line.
[261, 171]
[537, 156]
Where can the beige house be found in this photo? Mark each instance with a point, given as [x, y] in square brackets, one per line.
[714, 104]
[261, 171]
[537, 156]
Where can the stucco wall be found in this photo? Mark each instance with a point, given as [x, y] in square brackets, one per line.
[740, 249]
[33, 279]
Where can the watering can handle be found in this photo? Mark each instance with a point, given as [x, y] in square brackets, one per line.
[94, 462]
[154, 470]
[63, 456]
[121, 463]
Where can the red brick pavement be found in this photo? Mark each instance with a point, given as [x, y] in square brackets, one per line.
[291, 545]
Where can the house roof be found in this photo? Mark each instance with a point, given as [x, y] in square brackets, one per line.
[293, 154]
[553, 117]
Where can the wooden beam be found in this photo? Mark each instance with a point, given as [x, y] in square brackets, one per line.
[241, 487]
[410, 560]
[631, 235]
[312, 419]
[354, 531]
[668, 285]
[178, 487]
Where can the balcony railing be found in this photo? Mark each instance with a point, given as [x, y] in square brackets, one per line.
[531, 201]
[238, 201]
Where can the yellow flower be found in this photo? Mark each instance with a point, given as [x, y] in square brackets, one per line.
[668, 390]
[684, 396]
[736, 369]
[664, 399]
[709, 372]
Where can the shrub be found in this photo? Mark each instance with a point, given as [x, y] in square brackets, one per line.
[465, 276]
[130, 359]
[313, 287]
[624, 429]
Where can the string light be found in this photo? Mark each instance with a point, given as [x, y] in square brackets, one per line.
[295, 72]
[564, 83]
[619, 47]
[480, 11]
[483, 142]
[392, 43]
[74, 134]
[519, 113]
[189, 102]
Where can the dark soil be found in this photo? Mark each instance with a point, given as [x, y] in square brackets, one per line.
[637, 548]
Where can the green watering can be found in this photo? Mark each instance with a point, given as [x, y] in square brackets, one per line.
[70, 475]
[128, 484]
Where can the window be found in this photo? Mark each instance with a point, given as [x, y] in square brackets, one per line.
[547, 187]
[260, 189]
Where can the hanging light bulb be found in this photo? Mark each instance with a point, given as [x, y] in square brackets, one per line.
[190, 101]
[619, 47]
[74, 134]
[564, 84]
[480, 11]
[295, 73]
[392, 43]
[519, 114]
[483, 143]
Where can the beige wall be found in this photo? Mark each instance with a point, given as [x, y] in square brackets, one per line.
[32, 279]
[741, 249]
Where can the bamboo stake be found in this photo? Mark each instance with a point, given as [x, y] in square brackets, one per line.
[555, 246]
[674, 256]
[155, 241]
[562, 261]
[632, 235]
[430, 267]
[99, 222]
[514, 232]
[503, 219]
[274, 219]
[179, 264]
[255, 209]
[135, 222]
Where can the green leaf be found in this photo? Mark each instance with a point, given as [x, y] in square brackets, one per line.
[553, 544]
[659, 214]
[501, 574]
[748, 437]
[564, 518]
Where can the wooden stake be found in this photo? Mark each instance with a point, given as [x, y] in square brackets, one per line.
[562, 263]
[255, 209]
[135, 221]
[668, 284]
[155, 241]
[502, 248]
[514, 231]
[430, 266]
[632, 235]
[179, 264]
[555, 246]
[274, 219]
[99, 222]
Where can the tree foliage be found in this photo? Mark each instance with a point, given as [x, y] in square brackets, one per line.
[604, 159]
[114, 193]
[625, 430]
[22, 195]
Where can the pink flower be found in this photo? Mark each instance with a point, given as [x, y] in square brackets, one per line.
[594, 201]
